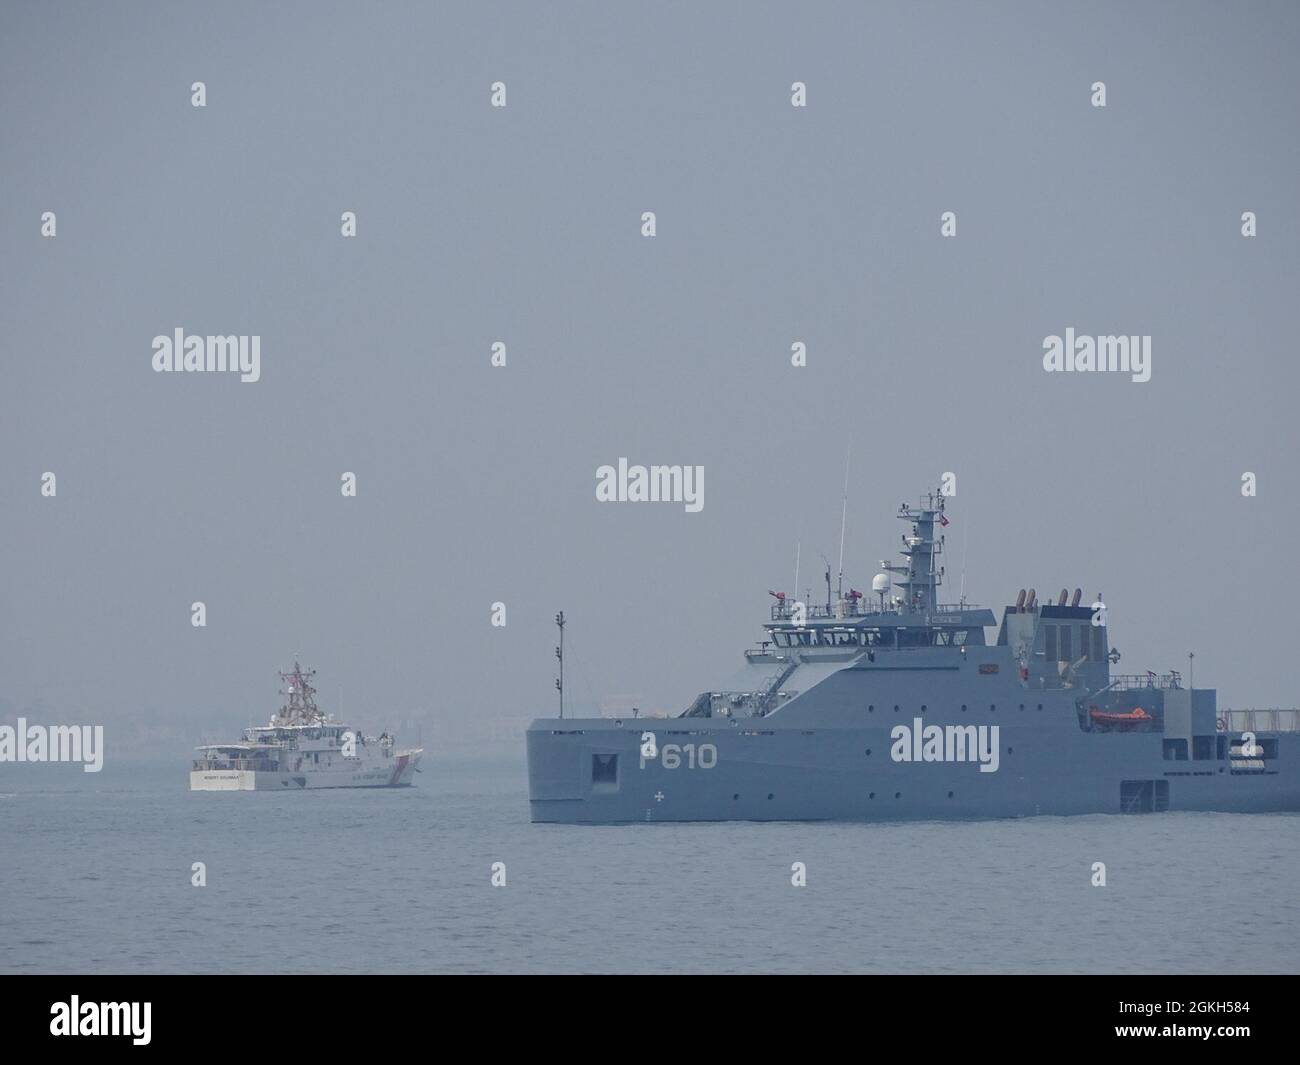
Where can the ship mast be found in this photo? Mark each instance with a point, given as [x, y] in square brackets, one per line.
[301, 708]
[844, 517]
[559, 654]
[921, 580]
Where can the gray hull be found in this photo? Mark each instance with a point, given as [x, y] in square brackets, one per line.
[783, 777]
[826, 756]
[901, 710]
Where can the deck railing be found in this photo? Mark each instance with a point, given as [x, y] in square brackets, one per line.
[1127, 682]
[784, 610]
[1253, 720]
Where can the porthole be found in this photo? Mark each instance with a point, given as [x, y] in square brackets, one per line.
[871, 709]
[769, 794]
[868, 752]
[871, 795]
[992, 708]
[950, 794]
[963, 708]
[736, 796]
[898, 795]
[895, 708]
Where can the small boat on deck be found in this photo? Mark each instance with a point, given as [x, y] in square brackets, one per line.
[1135, 718]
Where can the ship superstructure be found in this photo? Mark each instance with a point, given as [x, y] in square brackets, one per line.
[302, 747]
[893, 706]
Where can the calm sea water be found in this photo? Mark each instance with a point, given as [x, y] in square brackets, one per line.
[95, 877]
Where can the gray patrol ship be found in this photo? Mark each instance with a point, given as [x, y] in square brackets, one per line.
[893, 706]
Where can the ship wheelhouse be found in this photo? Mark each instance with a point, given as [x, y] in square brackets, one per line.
[257, 757]
[893, 633]
[808, 642]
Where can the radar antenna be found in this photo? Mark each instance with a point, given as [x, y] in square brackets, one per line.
[301, 708]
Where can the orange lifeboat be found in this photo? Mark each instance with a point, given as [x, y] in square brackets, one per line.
[1113, 719]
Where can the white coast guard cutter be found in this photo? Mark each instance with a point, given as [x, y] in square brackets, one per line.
[301, 748]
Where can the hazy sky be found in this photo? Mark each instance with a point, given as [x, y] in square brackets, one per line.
[523, 224]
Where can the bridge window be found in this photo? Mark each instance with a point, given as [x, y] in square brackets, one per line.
[1067, 654]
[1098, 642]
[1049, 642]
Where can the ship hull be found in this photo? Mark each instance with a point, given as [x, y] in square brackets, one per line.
[763, 772]
[850, 712]
[394, 772]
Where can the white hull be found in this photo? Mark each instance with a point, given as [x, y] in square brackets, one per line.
[395, 771]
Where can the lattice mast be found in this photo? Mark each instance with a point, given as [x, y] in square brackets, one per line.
[301, 707]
